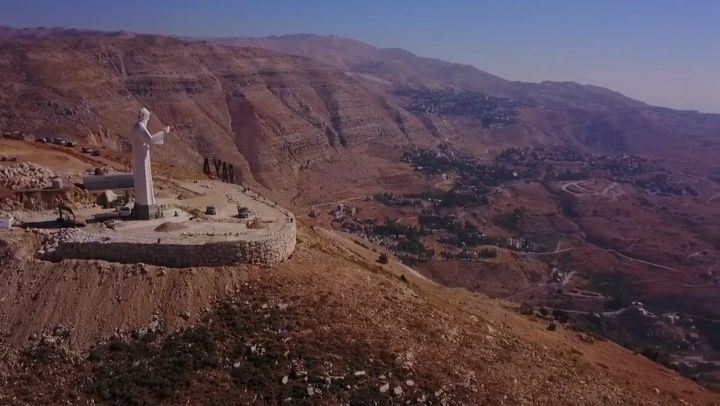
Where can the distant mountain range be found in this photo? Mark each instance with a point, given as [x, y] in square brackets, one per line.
[278, 105]
[594, 115]
[398, 66]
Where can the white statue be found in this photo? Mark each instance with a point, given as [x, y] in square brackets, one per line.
[141, 139]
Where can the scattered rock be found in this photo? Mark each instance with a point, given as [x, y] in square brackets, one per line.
[154, 325]
[25, 175]
[384, 388]
[142, 332]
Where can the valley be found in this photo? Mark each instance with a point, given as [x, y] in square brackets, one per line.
[557, 231]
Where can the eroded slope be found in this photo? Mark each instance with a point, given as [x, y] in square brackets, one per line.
[318, 319]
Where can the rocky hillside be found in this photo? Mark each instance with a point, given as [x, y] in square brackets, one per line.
[328, 326]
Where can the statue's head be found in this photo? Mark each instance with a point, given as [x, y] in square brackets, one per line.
[144, 115]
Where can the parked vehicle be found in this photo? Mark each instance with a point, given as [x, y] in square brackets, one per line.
[15, 135]
[243, 212]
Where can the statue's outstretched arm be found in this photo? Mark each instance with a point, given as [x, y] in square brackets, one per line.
[157, 138]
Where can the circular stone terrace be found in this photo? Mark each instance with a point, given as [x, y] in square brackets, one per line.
[185, 236]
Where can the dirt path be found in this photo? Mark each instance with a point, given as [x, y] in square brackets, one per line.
[587, 191]
[334, 203]
[623, 256]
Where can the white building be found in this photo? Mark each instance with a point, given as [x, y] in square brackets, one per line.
[6, 223]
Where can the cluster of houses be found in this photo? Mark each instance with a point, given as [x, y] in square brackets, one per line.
[461, 241]
[548, 163]
[491, 111]
[671, 318]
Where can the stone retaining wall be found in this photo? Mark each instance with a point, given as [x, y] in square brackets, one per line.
[265, 250]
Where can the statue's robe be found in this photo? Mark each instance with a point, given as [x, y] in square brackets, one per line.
[141, 139]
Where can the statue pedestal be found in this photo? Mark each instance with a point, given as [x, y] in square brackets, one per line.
[144, 212]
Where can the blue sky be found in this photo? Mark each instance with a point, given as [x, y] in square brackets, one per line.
[660, 51]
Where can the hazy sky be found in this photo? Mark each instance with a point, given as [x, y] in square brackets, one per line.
[660, 51]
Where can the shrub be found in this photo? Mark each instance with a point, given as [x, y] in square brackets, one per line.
[511, 221]
[561, 315]
[397, 229]
[133, 372]
[616, 285]
[526, 308]
[650, 353]
[488, 253]
[412, 245]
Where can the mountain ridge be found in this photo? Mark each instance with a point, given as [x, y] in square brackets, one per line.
[275, 114]
[288, 44]
[572, 114]
[319, 39]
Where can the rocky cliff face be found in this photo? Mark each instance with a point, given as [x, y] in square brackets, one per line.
[566, 113]
[268, 113]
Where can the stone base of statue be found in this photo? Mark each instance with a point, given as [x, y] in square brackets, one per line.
[144, 211]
